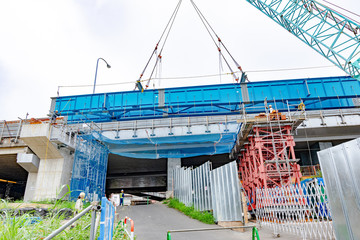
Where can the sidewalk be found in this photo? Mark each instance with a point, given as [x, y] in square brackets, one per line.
[153, 221]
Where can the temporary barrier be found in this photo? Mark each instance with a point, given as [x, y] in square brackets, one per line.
[107, 219]
[303, 211]
[89, 169]
[217, 190]
[226, 197]
[340, 167]
[201, 187]
[131, 234]
[183, 185]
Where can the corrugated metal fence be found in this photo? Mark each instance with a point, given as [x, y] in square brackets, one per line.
[183, 185]
[206, 189]
[225, 184]
[201, 187]
[340, 166]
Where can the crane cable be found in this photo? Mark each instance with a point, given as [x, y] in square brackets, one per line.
[208, 26]
[167, 35]
[167, 27]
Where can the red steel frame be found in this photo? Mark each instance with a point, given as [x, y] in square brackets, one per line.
[269, 160]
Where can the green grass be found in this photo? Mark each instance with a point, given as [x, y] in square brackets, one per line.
[205, 217]
[60, 204]
[20, 227]
[119, 232]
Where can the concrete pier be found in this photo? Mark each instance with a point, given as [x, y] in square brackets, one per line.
[172, 163]
[49, 167]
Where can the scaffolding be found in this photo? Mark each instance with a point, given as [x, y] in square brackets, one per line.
[89, 170]
[269, 159]
[265, 149]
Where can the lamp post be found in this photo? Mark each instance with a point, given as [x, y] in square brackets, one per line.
[97, 63]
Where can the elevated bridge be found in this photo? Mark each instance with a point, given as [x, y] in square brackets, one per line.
[183, 124]
[148, 134]
[223, 99]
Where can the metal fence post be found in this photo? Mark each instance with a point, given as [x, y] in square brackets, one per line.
[92, 228]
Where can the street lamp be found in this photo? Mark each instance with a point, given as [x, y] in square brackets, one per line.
[97, 63]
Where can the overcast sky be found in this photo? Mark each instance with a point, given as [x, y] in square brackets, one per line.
[46, 44]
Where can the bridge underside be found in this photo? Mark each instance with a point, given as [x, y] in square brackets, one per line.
[136, 175]
[12, 176]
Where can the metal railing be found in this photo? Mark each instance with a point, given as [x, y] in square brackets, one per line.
[93, 208]
[255, 233]
[107, 219]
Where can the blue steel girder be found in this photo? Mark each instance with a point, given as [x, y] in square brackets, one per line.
[222, 99]
[329, 33]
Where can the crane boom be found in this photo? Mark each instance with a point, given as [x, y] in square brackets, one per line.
[328, 32]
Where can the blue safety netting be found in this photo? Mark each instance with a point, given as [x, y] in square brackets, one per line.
[89, 170]
[171, 146]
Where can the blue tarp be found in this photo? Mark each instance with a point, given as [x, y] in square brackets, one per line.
[172, 146]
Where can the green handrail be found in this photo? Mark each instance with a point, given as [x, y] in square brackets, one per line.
[255, 232]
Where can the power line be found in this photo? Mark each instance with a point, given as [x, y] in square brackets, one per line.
[204, 76]
[342, 8]
[290, 69]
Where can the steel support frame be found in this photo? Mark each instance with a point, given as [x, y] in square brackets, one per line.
[268, 160]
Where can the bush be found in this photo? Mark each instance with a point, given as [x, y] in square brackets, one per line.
[205, 217]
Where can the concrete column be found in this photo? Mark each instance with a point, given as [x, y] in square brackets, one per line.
[53, 176]
[172, 163]
[50, 171]
[30, 162]
[325, 145]
[30, 186]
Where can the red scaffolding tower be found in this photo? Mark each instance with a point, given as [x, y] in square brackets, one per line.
[268, 159]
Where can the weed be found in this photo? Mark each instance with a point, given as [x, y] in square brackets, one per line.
[205, 217]
[27, 226]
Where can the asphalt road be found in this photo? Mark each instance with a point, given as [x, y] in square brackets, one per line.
[153, 221]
